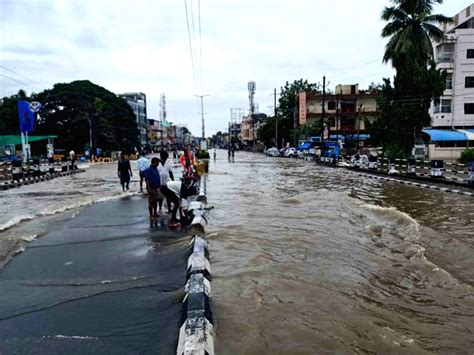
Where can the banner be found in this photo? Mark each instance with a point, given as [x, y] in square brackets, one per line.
[27, 117]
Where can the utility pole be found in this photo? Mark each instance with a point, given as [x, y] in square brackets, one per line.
[358, 126]
[276, 119]
[294, 126]
[337, 118]
[202, 114]
[323, 107]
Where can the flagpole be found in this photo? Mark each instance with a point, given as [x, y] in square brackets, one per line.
[23, 146]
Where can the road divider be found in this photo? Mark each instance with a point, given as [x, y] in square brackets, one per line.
[196, 334]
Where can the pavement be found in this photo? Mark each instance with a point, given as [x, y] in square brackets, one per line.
[102, 282]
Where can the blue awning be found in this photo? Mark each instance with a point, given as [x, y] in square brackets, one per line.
[305, 146]
[443, 135]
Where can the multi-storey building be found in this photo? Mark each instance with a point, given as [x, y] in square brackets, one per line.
[345, 111]
[456, 55]
[154, 133]
[235, 130]
[452, 119]
[137, 101]
[249, 128]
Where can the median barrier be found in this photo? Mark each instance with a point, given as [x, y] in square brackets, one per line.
[196, 334]
[471, 173]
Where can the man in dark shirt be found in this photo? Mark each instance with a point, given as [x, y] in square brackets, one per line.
[124, 171]
[153, 183]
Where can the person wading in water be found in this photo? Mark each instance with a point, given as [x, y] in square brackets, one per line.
[124, 171]
[153, 183]
[165, 175]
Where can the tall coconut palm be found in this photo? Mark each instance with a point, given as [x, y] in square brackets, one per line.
[411, 27]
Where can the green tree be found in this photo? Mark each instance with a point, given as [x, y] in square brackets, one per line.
[9, 122]
[286, 114]
[404, 106]
[69, 109]
[288, 98]
[411, 27]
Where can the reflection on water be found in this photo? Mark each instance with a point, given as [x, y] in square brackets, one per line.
[309, 259]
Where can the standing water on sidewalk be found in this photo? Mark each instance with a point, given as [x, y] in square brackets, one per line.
[310, 259]
[25, 211]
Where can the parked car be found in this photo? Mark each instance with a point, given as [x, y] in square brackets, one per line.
[291, 152]
[272, 152]
[282, 152]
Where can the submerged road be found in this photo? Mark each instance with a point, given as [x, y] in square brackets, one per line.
[305, 259]
[309, 259]
[100, 282]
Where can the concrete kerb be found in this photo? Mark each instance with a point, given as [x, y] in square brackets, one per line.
[196, 335]
[425, 186]
[32, 180]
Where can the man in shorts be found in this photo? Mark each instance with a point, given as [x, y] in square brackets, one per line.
[152, 178]
[142, 165]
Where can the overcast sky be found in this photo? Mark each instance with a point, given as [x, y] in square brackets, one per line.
[143, 46]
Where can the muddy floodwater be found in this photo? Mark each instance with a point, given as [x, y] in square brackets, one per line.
[308, 259]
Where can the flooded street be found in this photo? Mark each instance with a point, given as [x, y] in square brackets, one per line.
[305, 259]
[308, 259]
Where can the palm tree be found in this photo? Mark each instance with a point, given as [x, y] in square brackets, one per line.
[411, 27]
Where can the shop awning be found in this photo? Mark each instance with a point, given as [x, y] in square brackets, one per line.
[13, 139]
[469, 133]
[443, 135]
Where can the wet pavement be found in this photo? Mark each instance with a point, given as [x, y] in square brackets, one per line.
[100, 281]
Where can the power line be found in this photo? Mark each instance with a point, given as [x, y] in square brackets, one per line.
[190, 43]
[22, 76]
[13, 79]
[200, 44]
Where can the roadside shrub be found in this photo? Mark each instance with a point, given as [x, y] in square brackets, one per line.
[467, 156]
[204, 154]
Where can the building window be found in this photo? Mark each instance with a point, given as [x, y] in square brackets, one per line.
[446, 106]
[469, 109]
[449, 81]
[331, 105]
[470, 53]
[469, 82]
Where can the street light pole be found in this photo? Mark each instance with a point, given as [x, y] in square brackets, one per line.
[202, 114]
[275, 113]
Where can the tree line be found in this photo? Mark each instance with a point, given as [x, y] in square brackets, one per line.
[73, 110]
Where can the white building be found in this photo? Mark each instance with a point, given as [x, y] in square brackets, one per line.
[456, 55]
[137, 101]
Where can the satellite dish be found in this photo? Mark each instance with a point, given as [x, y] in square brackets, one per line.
[35, 106]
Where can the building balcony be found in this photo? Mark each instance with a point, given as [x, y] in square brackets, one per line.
[445, 65]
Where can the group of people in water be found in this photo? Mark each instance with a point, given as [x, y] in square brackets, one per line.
[161, 185]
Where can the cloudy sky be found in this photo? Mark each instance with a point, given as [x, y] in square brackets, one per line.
[143, 45]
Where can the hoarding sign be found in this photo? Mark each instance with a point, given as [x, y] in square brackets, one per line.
[302, 107]
[26, 116]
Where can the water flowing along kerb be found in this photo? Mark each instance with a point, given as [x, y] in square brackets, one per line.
[196, 335]
[425, 186]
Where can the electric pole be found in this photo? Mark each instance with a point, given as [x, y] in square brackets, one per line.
[358, 125]
[337, 118]
[323, 107]
[202, 114]
[275, 113]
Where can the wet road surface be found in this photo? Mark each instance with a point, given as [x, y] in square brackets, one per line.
[100, 281]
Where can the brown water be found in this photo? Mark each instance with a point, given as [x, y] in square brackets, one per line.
[308, 259]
